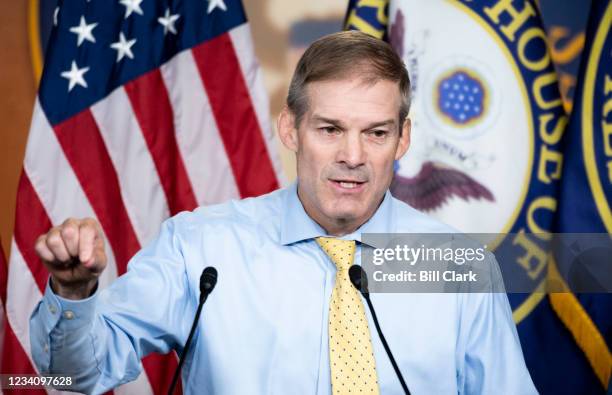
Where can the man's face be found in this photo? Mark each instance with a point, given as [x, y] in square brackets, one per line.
[345, 146]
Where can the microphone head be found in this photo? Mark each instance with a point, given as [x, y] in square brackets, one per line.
[208, 280]
[359, 278]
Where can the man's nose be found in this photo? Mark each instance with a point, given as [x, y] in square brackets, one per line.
[352, 152]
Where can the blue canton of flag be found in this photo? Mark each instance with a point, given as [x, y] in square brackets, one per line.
[101, 45]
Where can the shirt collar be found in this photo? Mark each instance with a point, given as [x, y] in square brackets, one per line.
[296, 225]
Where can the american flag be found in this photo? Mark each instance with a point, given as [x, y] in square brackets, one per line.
[145, 108]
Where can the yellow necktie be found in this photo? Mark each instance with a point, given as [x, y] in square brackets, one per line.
[353, 369]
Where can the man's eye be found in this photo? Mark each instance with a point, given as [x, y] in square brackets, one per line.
[329, 129]
[378, 133]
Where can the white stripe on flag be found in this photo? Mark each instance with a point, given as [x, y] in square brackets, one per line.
[139, 182]
[197, 136]
[22, 296]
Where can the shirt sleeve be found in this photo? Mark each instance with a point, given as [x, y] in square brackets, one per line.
[492, 359]
[101, 340]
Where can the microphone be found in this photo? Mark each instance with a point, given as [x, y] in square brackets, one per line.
[208, 280]
[360, 281]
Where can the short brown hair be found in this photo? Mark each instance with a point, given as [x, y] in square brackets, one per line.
[340, 54]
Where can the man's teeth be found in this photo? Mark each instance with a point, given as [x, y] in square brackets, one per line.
[349, 185]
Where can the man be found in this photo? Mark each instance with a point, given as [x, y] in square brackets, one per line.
[284, 317]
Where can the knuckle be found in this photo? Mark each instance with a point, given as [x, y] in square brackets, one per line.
[40, 241]
[70, 222]
[89, 222]
[89, 225]
[68, 230]
[41, 249]
[54, 240]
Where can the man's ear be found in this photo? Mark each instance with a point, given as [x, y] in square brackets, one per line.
[286, 129]
[404, 141]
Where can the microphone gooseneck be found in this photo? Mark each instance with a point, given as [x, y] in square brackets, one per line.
[360, 281]
[208, 280]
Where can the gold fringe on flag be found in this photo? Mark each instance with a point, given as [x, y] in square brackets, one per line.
[577, 320]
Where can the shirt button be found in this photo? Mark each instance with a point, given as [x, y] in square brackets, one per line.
[52, 309]
[68, 315]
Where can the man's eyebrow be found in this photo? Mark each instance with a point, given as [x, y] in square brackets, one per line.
[388, 122]
[337, 123]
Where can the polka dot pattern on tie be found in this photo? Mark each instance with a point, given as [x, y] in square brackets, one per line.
[353, 368]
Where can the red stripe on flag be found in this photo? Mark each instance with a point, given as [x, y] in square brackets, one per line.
[82, 143]
[151, 104]
[162, 363]
[15, 361]
[235, 116]
[31, 221]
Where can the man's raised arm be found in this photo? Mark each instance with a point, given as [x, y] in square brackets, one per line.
[99, 337]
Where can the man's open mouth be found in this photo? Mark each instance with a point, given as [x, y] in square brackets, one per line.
[348, 184]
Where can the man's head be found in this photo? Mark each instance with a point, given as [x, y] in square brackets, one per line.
[346, 120]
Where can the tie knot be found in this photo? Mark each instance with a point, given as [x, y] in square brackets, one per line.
[341, 252]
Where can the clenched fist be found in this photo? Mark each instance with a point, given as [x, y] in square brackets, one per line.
[74, 255]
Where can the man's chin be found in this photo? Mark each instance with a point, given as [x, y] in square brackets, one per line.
[345, 214]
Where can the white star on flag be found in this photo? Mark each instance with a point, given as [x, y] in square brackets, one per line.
[167, 21]
[123, 47]
[84, 31]
[212, 4]
[75, 76]
[131, 6]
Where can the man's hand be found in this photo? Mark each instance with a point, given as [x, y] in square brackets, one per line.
[74, 255]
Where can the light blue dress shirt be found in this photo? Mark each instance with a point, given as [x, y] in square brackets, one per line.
[263, 329]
